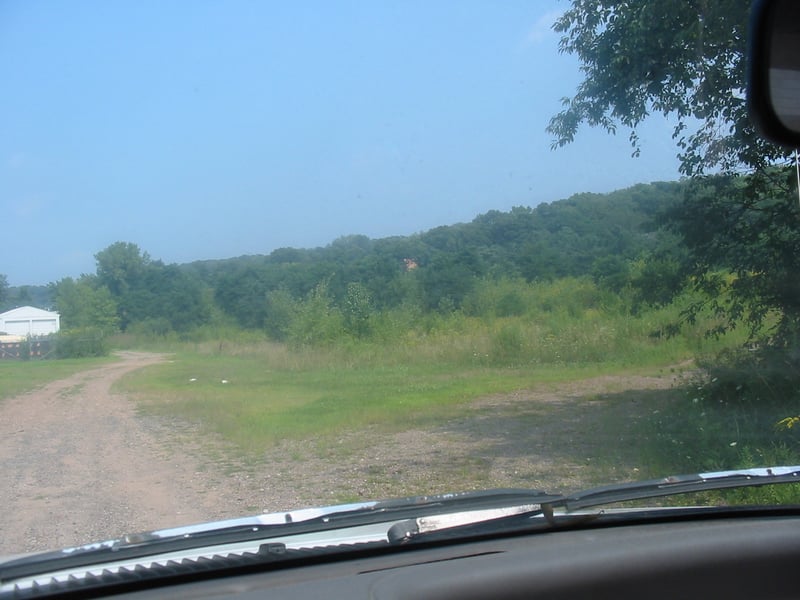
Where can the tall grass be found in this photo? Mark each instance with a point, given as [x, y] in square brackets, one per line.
[509, 322]
[415, 368]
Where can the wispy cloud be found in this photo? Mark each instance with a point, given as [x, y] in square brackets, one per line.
[542, 28]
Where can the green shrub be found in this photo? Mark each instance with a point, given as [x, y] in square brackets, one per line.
[511, 304]
[150, 326]
[281, 310]
[81, 343]
[317, 320]
[508, 346]
[25, 349]
[728, 418]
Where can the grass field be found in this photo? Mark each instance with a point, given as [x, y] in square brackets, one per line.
[18, 376]
[321, 406]
[261, 404]
[418, 375]
[395, 429]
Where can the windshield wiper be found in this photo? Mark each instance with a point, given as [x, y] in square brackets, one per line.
[270, 526]
[410, 518]
[560, 511]
[404, 531]
[679, 484]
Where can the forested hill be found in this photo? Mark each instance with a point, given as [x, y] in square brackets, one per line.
[587, 234]
[612, 238]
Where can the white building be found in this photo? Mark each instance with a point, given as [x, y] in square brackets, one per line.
[27, 320]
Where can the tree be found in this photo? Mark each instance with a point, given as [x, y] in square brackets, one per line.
[683, 59]
[448, 278]
[3, 290]
[756, 238]
[85, 304]
[23, 296]
[121, 266]
[686, 60]
[357, 309]
[171, 294]
[611, 272]
[165, 296]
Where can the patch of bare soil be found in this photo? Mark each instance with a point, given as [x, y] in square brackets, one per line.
[79, 463]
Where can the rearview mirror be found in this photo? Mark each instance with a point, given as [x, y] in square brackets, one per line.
[774, 70]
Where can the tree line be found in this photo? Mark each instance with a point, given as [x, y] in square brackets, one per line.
[615, 239]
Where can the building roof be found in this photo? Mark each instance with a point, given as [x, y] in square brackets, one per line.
[27, 312]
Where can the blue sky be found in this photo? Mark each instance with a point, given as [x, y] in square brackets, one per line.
[212, 129]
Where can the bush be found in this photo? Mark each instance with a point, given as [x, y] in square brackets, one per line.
[508, 345]
[281, 310]
[728, 416]
[150, 326]
[81, 343]
[511, 304]
[25, 349]
[753, 376]
[317, 321]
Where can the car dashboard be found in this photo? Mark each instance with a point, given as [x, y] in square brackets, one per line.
[724, 554]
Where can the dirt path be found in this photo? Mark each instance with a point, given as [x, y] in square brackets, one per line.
[79, 464]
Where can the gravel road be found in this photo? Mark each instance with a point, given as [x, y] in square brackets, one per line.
[78, 465]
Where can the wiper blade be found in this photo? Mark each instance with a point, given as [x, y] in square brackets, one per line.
[404, 531]
[555, 512]
[412, 516]
[680, 484]
[266, 527]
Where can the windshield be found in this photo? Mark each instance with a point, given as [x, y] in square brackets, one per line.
[260, 257]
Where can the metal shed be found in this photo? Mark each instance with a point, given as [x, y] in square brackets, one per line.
[29, 321]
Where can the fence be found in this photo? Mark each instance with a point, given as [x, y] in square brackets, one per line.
[26, 349]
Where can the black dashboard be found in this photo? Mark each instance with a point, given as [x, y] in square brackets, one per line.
[752, 556]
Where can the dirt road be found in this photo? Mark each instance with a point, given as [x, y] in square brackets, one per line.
[79, 464]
